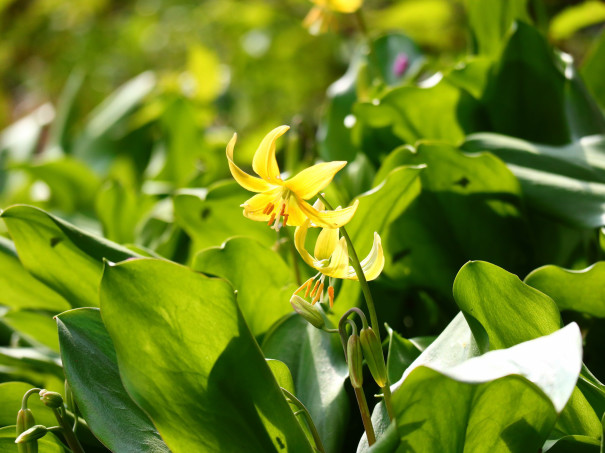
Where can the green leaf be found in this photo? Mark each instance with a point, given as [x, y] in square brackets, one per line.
[120, 209]
[426, 245]
[566, 183]
[73, 185]
[402, 352]
[282, 374]
[20, 289]
[11, 395]
[257, 273]
[113, 110]
[55, 251]
[573, 444]
[378, 208]
[91, 368]
[593, 68]
[516, 313]
[335, 137]
[207, 379]
[505, 401]
[316, 360]
[536, 95]
[38, 328]
[48, 444]
[490, 21]
[574, 18]
[455, 345]
[580, 291]
[411, 112]
[211, 217]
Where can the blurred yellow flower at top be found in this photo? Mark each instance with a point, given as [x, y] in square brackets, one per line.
[321, 17]
[278, 199]
[341, 6]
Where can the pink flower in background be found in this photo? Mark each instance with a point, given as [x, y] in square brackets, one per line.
[401, 64]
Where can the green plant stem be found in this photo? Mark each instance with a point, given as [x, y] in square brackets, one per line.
[365, 415]
[369, 301]
[360, 275]
[310, 424]
[294, 254]
[27, 395]
[388, 402]
[70, 437]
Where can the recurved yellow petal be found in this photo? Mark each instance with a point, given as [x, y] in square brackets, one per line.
[264, 162]
[248, 182]
[373, 264]
[326, 243]
[328, 219]
[300, 235]
[313, 179]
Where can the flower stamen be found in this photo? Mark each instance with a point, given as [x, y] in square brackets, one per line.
[331, 295]
[272, 219]
[268, 208]
[306, 285]
[320, 291]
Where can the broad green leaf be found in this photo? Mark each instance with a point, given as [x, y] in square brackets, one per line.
[335, 131]
[592, 70]
[573, 444]
[91, 368]
[42, 360]
[402, 352]
[108, 114]
[55, 252]
[503, 401]
[316, 361]
[211, 217]
[516, 313]
[72, 183]
[282, 375]
[20, 289]
[565, 183]
[536, 95]
[378, 209]
[490, 21]
[437, 110]
[120, 209]
[34, 327]
[263, 281]
[11, 395]
[426, 245]
[453, 346]
[580, 291]
[48, 444]
[206, 380]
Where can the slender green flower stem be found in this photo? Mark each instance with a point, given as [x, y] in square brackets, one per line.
[70, 437]
[27, 395]
[388, 402]
[365, 415]
[369, 301]
[303, 410]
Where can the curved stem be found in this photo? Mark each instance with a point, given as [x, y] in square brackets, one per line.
[303, 410]
[27, 395]
[359, 271]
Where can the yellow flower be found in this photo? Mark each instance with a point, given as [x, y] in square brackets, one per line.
[321, 17]
[331, 259]
[341, 6]
[278, 199]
